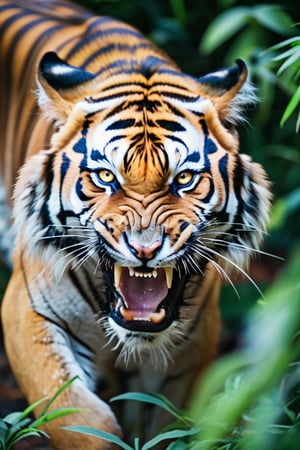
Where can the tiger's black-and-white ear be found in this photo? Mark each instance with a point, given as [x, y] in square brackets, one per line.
[61, 75]
[60, 85]
[229, 91]
[225, 81]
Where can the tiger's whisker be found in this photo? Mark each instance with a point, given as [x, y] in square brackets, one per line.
[217, 266]
[89, 253]
[239, 246]
[233, 264]
[67, 253]
[66, 236]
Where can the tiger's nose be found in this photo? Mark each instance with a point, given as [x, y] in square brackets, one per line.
[145, 252]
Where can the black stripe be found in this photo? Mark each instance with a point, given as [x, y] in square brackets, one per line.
[48, 180]
[121, 64]
[98, 35]
[82, 291]
[176, 139]
[115, 46]
[126, 84]
[181, 97]
[83, 355]
[224, 174]
[110, 97]
[98, 22]
[174, 110]
[170, 125]
[121, 124]
[164, 83]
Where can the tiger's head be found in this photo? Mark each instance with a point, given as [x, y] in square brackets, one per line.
[144, 178]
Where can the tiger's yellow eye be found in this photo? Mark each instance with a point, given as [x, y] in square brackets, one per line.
[106, 176]
[184, 178]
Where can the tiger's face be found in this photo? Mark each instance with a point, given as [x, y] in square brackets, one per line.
[153, 176]
[145, 186]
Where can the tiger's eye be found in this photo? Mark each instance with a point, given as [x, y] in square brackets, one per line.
[184, 178]
[106, 176]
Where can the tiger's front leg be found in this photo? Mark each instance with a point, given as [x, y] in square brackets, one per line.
[42, 360]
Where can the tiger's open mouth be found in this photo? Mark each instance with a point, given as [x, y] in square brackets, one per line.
[145, 300]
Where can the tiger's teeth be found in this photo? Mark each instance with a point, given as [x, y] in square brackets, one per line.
[117, 275]
[128, 315]
[157, 317]
[133, 273]
[169, 276]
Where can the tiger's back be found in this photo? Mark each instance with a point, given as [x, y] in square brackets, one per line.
[131, 201]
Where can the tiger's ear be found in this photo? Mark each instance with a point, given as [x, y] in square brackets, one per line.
[60, 86]
[228, 90]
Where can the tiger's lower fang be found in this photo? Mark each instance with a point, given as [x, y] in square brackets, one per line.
[158, 317]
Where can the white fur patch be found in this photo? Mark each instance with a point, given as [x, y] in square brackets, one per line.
[136, 347]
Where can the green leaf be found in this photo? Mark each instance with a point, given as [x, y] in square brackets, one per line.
[272, 17]
[27, 432]
[285, 54]
[57, 394]
[294, 40]
[13, 417]
[13, 429]
[31, 407]
[223, 28]
[98, 434]
[55, 414]
[154, 399]
[179, 445]
[294, 58]
[3, 425]
[175, 434]
[2, 443]
[292, 105]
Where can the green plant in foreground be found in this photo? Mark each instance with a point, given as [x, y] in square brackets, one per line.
[177, 436]
[19, 425]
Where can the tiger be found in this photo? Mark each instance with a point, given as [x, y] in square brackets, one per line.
[131, 201]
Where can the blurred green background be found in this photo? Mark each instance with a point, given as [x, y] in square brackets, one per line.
[203, 36]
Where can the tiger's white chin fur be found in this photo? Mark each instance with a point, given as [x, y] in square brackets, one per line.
[136, 347]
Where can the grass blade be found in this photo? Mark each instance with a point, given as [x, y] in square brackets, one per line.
[98, 434]
[57, 394]
[174, 434]
[154, 399]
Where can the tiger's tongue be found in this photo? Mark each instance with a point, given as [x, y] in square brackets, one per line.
[143, 294]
